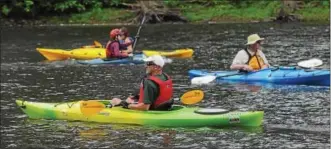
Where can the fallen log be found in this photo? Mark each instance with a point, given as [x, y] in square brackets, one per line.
[156, 12]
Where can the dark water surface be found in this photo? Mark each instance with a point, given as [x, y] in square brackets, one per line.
[295, 116]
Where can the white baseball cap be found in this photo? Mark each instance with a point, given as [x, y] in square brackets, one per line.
[156, 59]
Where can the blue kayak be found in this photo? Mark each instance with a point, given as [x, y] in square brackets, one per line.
[279, 75]
[136, 59]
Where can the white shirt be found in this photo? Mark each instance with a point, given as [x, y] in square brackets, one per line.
[242, 58]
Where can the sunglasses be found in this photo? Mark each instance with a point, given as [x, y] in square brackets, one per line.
[150, 63]
[259, 42]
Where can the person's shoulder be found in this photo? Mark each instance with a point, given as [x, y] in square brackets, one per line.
[112, 42]
[149, 82]
[163, 77]
[242, 51]
[129, 39]
[261, 52]
[115, 42]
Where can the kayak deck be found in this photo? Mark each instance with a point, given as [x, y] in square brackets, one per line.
[80, 53]
[136, 59]
[178, 116]
[182, 53]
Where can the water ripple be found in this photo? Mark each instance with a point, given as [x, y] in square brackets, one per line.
[295, 116]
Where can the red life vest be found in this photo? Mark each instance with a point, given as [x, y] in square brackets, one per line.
[165, 90]
[109, 52]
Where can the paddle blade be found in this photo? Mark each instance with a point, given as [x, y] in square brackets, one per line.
[98, 44]
[310, 63]
[91, 107]
[192, 97]
[203, 80]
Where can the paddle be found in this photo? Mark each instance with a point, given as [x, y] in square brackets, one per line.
[191, 97]
[314, 62]
[138, 32]
[92, 107]
[208, 79]
[308, 64]
[97, 44]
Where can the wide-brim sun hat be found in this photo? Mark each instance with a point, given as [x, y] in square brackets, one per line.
[251, 39]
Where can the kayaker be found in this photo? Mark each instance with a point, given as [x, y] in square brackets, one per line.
[126, 41]
[252, 58]
[113, 46]
[155, 89]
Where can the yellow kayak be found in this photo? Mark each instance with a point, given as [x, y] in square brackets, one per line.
[181, 53]
[87, 53]
[79, 54]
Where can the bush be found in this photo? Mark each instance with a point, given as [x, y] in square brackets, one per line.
[31, 8]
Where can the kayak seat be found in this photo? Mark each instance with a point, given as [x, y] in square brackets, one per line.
[165, 106]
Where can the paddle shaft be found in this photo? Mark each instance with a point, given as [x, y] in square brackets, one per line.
[138, 32]
[239, 73]
[272, 69]
[242, 73]
[92, 107]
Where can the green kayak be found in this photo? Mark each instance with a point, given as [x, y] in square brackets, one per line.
[178, 116]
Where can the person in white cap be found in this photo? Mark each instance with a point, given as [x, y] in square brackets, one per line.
[252, 58]
[155, 89]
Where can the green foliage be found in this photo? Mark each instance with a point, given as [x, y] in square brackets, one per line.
[115, 2]
[28, 5]
[108, 15]
[258, 10]
[5, 10]
[105, 11]
[56, 6]
[315, 11]
[325, 3]
[172, 3]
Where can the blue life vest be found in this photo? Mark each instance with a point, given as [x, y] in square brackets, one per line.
[122, 43]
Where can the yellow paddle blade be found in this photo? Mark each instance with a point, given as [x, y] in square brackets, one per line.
[192, 97]
[97, 44]
[90, 46]
[91, 107]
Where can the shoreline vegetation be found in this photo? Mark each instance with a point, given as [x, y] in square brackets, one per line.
[126, 12]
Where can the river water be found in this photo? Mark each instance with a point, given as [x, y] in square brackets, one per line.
[295, 116]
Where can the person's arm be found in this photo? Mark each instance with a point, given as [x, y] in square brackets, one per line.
[266, 63]
[129, 45]
[150, 95]
[241, 67]
[239, 62]
[108, 50]
[117, 52]
[139, 106]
